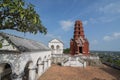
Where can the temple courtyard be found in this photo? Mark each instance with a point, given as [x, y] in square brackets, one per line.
[56, 72]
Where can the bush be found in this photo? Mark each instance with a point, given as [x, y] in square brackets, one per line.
[66, 51]
[0, 45]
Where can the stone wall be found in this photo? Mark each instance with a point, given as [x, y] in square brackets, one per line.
[58, 58]
[84, 60]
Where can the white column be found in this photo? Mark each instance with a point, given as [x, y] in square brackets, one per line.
[40, 69]
[69, 58]
[45, 65]
[32, 73]
[17, 79]
[49, 63]
[77, 58]
[84, 64]
[55, 49]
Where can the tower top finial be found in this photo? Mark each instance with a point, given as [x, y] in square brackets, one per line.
[78, 22]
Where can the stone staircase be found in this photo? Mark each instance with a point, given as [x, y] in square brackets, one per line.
[74, 62]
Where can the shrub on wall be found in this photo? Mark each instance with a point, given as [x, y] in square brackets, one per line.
[66, 51]
[0, 45]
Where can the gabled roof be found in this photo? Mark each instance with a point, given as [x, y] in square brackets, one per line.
[24, 45]
[55, 41]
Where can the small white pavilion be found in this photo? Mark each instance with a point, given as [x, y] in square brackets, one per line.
[56, 46]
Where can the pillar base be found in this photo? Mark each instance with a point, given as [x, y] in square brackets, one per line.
[14, 76]
[32, 73]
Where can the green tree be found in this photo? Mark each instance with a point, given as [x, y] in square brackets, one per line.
[66, 51]
[19, 16]
[0, 45]
[117, 62]
[110, 60]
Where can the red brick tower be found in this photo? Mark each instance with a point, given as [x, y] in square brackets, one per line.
[79, 44]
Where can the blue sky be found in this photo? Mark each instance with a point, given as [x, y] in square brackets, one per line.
[101, 22]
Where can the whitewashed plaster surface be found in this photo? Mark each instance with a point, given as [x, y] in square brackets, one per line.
[19, 61]
[38, 56]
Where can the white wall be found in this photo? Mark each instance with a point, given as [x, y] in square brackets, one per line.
[44, 55]
[19, 61]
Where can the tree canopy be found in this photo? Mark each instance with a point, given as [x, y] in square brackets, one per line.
[20, 16]
[66, 51]
[0, 45]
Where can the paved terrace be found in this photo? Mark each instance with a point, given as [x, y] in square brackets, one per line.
[89, 73]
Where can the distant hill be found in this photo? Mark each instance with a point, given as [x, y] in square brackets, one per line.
[105, 52]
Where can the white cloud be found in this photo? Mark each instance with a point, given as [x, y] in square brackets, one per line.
[85, 22]
[94, 42]
[93, 20]
[111, 8]
[106, 19]
[107, 38]
[50, 35]
[114, 36]
[117, 35]
[103, 19]
[66, 25]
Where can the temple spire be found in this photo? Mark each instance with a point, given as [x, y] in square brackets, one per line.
[79, 44]
[78, 30]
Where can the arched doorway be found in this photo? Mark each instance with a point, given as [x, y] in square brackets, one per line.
[52, 47]
[58, 49]
[26, 71]
[80, 50]
[5, 71]
[40, 67]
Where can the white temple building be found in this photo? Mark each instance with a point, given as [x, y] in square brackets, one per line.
[22, 59]
[56, 46]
